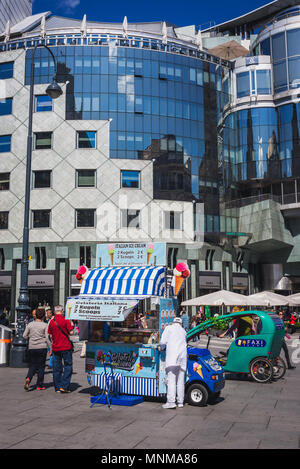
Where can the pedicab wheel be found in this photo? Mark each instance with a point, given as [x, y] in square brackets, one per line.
[197, 395]
[261, 370]
[279, 368]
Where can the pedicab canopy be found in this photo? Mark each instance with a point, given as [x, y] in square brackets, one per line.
[111, 291]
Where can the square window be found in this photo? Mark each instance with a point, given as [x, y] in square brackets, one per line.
[43, 103]
[86, 139]
[4, 220]
[43, 140]
[5, 143]
[6, 70]
[130, 179]
[41, 218]
[4, 181]
[86, 178]
[130, 218]
[5, 106]
[173, 220]
[41, 179]
[85, 218]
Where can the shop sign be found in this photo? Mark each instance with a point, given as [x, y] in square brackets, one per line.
[210, 281]
[133, 254]
[5, 281]
[92, 308]
[240, 282]
[40, 280]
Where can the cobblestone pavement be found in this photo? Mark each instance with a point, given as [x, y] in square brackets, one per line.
[247, 415]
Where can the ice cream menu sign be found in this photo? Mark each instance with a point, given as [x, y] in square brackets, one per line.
[122, 254]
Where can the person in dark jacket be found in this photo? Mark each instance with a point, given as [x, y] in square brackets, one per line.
[3, 319]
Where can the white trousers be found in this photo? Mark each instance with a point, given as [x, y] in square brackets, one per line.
[175, 384]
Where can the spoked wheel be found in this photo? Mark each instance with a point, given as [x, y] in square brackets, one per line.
[261, 370]
[279, 368]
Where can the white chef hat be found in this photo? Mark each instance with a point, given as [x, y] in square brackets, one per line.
[178, 320]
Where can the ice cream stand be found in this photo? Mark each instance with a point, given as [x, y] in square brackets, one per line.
[121, 347]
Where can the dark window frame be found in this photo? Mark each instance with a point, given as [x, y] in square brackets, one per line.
[77, 210]
[35, 213]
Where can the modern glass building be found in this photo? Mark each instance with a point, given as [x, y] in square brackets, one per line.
[162, 133]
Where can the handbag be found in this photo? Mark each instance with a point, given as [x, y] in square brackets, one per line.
[67, 336]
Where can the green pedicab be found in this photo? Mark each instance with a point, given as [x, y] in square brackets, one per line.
[256, 354]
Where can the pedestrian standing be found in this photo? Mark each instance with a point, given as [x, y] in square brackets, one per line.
[3, 319]
[37, 335]
[284, 344]
[293, 321]
[185, 319]
[60, 330]
[49, 316]
[174, 339]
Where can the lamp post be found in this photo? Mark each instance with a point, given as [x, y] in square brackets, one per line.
[19, 343]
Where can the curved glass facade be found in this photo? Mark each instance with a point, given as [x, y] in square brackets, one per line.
[163, 107]
[283, 47]
[261, 144]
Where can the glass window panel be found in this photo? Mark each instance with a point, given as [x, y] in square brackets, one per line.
[130, 218]
[85, 218]
[42, 179]
[294, 72]
[43, 103]
[4, 220]
[86, 139]
[6, 70]
[130, 179]
[86, 178]
[265, 47]
[278, 46]
[172, 220]
[243, 84]
[41, 218]
[4, 181]
[293, 40]
[280, 76]
[263, 81]
[5, 143]
[5, 106]
[43, 140]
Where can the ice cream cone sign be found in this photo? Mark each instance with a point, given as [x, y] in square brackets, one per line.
[82, 273]
[111, 252]
[149, 250]
[198, 368]
[180, 272]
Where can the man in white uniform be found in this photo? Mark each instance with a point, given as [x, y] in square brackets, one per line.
[174, 339]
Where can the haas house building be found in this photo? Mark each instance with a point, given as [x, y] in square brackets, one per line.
[184, 135]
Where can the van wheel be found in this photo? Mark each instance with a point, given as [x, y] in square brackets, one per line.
[197, 395]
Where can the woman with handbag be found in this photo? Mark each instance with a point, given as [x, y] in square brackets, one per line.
[37, 334]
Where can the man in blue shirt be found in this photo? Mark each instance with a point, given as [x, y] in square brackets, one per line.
[185, 319]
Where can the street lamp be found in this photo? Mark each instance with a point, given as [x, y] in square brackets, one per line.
[19, 343]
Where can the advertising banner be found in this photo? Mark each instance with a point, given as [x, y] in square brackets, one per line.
[131, 254]
[95, 308]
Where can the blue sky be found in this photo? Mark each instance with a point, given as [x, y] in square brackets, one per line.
[179, 12]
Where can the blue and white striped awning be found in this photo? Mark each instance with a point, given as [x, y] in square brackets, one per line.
[125, 281]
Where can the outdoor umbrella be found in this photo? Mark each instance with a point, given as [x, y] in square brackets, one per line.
[230, 50]
[219, 298]
[268, 298]
[294, 300]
